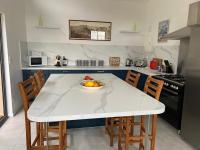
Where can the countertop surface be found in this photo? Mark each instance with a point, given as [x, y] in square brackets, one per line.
[63, 98]
[146, 70]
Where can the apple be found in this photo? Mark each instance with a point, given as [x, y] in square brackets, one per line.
[88, 78]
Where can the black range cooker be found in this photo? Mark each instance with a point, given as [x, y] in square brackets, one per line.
[172, 96]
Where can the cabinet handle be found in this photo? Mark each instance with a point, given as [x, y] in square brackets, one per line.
[101, 71]
[65, 71]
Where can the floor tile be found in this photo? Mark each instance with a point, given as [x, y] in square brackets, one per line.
[12, 137]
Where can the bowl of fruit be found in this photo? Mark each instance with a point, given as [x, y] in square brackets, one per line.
[90, 83]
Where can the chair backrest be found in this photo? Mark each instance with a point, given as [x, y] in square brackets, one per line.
[28, 91]
[153, 87]
[132, 78]
[40, 78]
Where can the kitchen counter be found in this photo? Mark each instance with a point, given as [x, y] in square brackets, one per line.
[146, 70]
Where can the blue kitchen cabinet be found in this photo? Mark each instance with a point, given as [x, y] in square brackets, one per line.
[119, 73]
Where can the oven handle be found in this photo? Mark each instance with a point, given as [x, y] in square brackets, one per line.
[170, 91]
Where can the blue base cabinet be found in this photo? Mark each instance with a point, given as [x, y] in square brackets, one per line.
[119, 73]
[90, 122]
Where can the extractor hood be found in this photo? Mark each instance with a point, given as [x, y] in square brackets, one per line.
[193, 22]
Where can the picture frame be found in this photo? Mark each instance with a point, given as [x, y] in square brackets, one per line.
[90, 30]
[163, 29]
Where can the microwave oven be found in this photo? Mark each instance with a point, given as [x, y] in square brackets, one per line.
[37, 60]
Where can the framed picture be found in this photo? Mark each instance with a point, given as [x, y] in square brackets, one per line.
[90, 30]
[163, 30]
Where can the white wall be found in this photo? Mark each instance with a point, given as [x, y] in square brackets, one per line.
[158, 10]
[122, 13]
[14, 24]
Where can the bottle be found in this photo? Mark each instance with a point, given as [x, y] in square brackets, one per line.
[64, 61]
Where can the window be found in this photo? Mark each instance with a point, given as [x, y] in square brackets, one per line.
[98, 35]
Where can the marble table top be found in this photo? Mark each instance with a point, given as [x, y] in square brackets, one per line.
[63, 98]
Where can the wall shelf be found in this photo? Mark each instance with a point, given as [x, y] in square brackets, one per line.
[47, 27]
[129, 31]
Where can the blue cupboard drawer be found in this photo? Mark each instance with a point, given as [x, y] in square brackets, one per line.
[119, 73]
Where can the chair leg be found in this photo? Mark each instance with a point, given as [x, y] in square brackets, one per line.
[106, 125]
[28, 134]
[128, 130]
[41, 134]
[109, 126]
[65, 135]
[153, 132]
[120, 135]
[61, 129]
[112, 133]
[141, 146]
[38, 133]
[132, 126]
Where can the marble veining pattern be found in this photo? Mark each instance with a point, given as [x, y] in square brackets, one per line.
[80, 51]
[63, 98]
[98, 52]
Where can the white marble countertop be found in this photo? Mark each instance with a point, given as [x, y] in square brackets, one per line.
[146, 70]
[63, 98]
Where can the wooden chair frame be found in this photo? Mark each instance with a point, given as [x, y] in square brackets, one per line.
[152, 87]
[28, 91]
[40, 78]
[132, 78]
[110, 123]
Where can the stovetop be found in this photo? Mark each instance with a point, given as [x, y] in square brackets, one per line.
[176, 79]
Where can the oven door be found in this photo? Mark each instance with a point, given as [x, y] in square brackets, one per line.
[170, 98]
[172, 113]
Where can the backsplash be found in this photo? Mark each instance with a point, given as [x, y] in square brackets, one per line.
[166, 52]
[74, 52]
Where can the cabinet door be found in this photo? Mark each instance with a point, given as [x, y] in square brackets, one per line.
[120, 73]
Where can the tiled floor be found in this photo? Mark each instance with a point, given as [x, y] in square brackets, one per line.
[12, 137]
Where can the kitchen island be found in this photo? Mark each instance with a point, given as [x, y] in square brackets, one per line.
[120, 72]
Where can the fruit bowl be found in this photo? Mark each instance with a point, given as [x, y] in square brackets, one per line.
[92, 84]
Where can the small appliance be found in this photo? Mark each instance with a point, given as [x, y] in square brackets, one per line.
[58, 61]
[37, 61]
[129, 62]
[140, 62]
[154, 64]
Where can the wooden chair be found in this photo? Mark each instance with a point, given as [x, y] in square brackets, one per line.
[40, 78]
[28, 91]
[132, 78]
[153, 87]
[110, 123]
